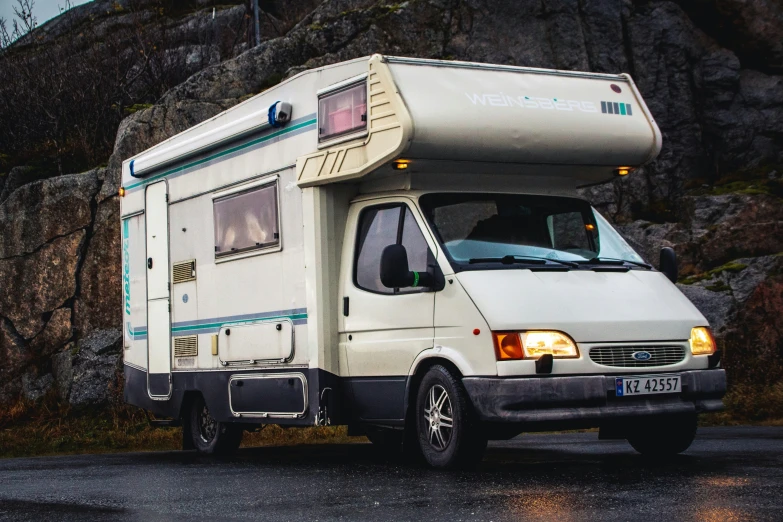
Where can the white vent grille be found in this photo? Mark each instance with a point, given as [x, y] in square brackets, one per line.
[623, 356]
[184, 271]
[186, 346]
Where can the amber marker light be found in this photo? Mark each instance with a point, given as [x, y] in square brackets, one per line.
[702, 341]
[590, 227]
[121, 192]
[508, 347]
[400, 164]
[623, 171]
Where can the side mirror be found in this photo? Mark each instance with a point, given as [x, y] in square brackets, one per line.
[668, 264]
[395, 272]
[394, 267]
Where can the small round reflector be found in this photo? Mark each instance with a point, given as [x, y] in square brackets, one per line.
[616, 88]
[476, 331]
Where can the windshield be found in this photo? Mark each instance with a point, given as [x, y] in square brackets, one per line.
[475, 228]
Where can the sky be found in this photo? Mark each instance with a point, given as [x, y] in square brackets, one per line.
[43, 9]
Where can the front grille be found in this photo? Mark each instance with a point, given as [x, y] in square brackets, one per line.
[622, 356]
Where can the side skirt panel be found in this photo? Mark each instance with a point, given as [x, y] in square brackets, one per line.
[341, 400]
[378, 399]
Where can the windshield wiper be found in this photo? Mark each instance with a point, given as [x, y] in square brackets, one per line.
[616, 261]
[510, 260]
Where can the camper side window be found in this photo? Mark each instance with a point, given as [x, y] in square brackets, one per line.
[246, 221]
[380, 227]
[342, 112]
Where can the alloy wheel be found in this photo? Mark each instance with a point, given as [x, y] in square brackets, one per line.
[439, 417]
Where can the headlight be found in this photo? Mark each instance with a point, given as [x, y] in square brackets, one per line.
[533, 344]
[702, 342]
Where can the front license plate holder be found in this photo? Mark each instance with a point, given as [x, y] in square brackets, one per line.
[647, 385]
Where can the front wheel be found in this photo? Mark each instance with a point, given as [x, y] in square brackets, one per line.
[210, 436]
[450, 435]
[663, 436]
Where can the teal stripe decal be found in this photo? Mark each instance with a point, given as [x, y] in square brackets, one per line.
[297, 316]
[137, 333]
[214, 327]
[288, 130]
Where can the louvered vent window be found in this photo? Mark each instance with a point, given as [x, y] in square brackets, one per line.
[184, 271]
[186, 346]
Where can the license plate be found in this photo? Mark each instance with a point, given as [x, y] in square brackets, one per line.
[647, 385]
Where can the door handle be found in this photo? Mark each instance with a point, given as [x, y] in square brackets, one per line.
[149, 263]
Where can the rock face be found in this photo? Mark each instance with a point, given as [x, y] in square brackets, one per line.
[98, 306]
[37, 213]
[710, 71]
[94, 369]
[713, 230]
[52, 233]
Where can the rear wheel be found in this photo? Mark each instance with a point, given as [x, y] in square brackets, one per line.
[663, 436]
[210, 436]
[450, 435]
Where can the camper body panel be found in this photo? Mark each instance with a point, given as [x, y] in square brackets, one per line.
[134, 275]
[250, 290]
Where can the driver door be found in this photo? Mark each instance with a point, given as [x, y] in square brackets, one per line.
[382, 330]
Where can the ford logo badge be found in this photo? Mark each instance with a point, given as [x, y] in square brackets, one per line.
[642, 356]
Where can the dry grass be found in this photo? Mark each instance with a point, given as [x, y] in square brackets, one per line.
[44, 429]
[750, 404]
[274, 435]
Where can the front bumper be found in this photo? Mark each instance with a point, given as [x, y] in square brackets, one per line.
[586, 400]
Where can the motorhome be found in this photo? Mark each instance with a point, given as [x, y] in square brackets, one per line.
[398, 245]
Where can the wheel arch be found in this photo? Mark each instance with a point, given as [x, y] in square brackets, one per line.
[419, 369]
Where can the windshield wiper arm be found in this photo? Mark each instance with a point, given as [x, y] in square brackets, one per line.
[510, 260]
[616, 261]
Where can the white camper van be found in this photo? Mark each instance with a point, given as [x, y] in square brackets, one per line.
[397, 245]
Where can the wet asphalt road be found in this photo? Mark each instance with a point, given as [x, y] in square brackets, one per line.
[729, 474]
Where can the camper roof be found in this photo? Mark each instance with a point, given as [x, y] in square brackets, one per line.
[427, 116]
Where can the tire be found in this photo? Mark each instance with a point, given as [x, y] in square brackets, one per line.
[450, 435]
[209, 436]
[663, 436]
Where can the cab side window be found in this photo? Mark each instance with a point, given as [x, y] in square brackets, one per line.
[380, 227]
